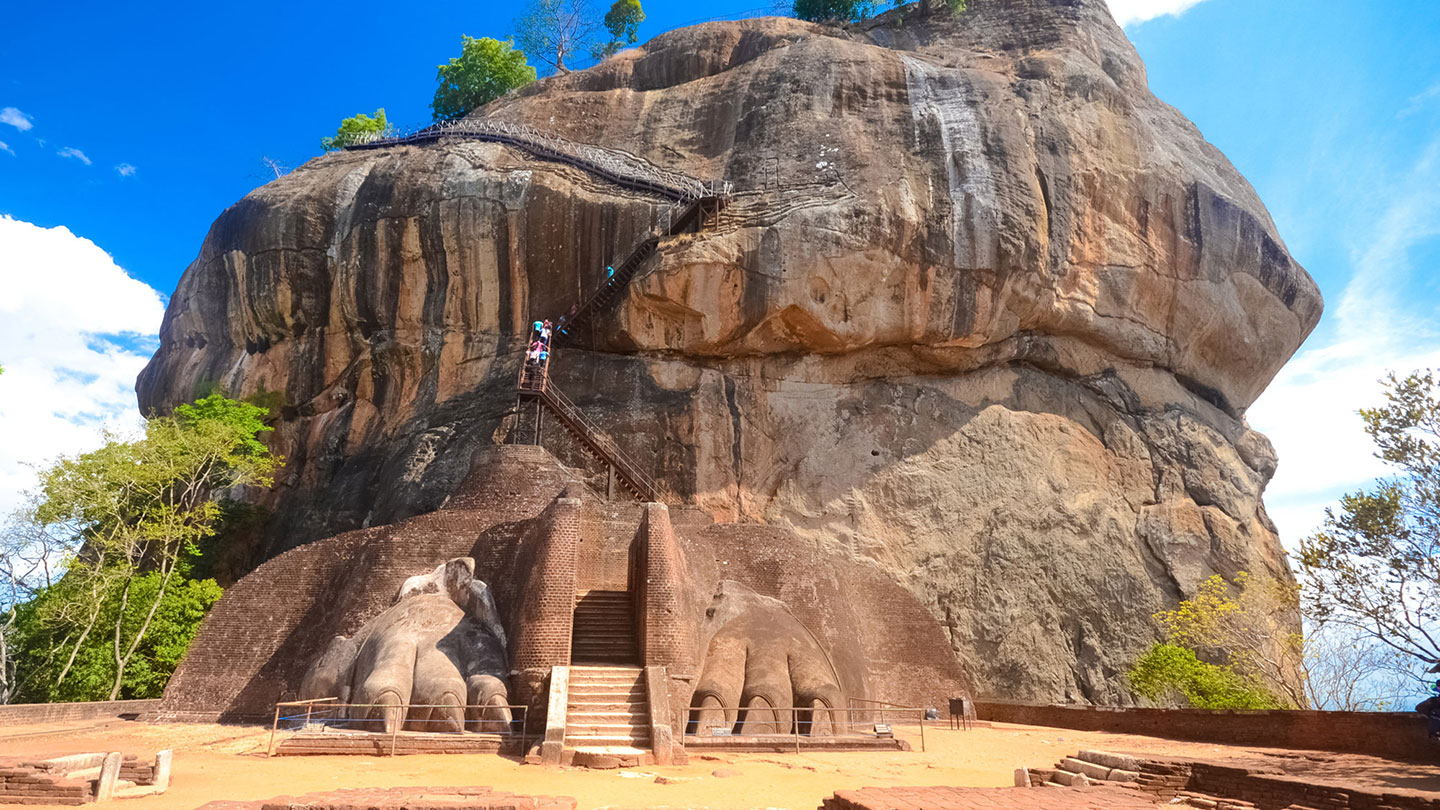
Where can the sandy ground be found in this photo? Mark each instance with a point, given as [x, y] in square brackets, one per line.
[229, 762]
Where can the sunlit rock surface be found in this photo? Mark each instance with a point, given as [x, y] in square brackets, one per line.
[986, 313]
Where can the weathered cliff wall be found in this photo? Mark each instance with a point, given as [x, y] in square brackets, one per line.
[986, 313]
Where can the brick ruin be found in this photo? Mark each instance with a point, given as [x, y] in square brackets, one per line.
[1205, 785]
[82, 778]
[539, 537]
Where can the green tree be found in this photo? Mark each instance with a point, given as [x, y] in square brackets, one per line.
[555, 30]
[132, 515]
[825, 10]
[358, 129]
[1374, 567]
[1168, 671]
[1243, 627]
[485, 70]
[623, 22]
[181, 608]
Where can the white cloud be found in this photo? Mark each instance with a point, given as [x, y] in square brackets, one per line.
[75, 330]
[1130, 12]
[1420, 100]
[6, 147]
[16, 119]
[72, 152]
[125, 170]
[1377, 326]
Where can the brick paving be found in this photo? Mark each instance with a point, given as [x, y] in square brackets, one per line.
[404, 798]
[963, 798]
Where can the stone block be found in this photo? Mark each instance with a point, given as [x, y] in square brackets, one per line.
[1110, 760]
[109, 777]
[1022, 777]
[1090, 769]
[162, 769]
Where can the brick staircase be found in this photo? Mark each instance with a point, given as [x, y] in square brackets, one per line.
[607, 709]
[604, 629]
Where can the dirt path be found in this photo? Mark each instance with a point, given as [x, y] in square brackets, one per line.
[228, 762]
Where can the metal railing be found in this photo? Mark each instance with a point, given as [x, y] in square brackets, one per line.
[331, 713]
[606, 447]
[802, 720]
[615, 165]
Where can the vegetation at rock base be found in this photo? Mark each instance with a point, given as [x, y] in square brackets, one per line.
[485, 70]
[623, 22]
[1374, 567]
[552, 31]
[357, 129]
[1170, 670]
[97, 570]
[1226, 648]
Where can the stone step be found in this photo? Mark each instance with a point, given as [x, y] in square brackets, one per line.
[615, 687]
[604, 729]
[606, 691]
[637, 715]
[614, 739]
[616, 681]
[608, 705]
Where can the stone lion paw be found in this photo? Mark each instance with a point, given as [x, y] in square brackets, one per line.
[761, 662]
[437, 650]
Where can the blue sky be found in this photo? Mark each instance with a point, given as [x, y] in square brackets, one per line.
[133, 129]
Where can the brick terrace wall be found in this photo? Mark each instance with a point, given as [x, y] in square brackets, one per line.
[547, 613]
[606, 529]
[668, 639]
[1383, 734]
[22, 713]
[1269, 790]
[262, 636]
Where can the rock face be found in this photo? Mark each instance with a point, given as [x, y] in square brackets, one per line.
[985, 313]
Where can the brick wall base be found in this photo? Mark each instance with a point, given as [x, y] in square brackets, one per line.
[1393, 735]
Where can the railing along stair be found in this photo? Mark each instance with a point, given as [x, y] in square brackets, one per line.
[694, 203]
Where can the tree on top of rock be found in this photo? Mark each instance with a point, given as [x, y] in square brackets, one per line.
[856, 10]
[357, 129]
[485, 70]
[552, 31]
[623, 22]
[824, 10]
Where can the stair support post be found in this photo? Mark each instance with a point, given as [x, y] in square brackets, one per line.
[552, 748]
[657, 690]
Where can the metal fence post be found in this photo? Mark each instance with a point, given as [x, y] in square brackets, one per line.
[269, 749]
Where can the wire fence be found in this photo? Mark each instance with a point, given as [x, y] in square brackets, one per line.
[808, 722]
[615, 165]
[320, 715]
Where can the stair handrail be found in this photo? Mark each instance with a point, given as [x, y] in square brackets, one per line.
[616, 165]
[607, 446]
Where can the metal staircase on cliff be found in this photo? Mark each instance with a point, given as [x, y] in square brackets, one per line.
[695, 204]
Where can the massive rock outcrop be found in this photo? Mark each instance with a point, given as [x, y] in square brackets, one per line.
[985, 315]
